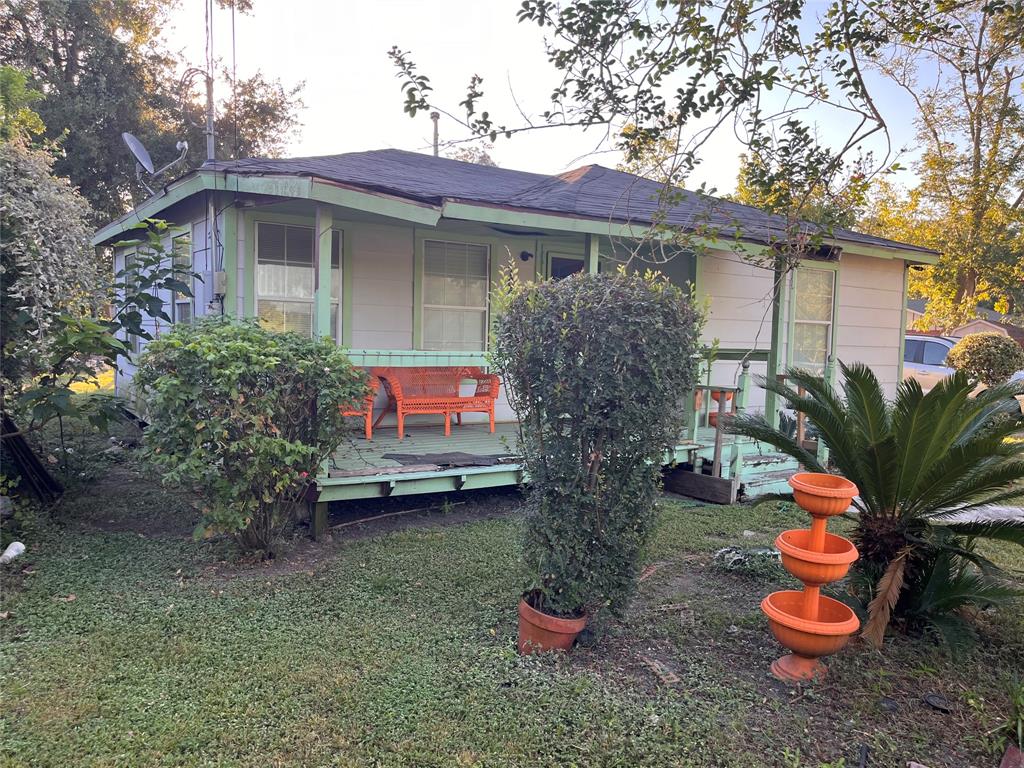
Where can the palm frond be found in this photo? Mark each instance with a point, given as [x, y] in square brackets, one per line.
[1001, 530]
[882, 604]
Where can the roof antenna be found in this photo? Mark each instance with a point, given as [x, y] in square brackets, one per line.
[435, 116]
[143, 162]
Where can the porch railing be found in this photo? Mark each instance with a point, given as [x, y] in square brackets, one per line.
[404, 358]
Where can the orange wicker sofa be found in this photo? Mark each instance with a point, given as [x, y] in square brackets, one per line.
[435, 390]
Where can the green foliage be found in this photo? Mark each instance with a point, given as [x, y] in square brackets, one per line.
[595, 366]
[987, 358]
[17, 120]
[246, 416]
[918, 462]
[66, 347]
[47, 268]
[104, 67]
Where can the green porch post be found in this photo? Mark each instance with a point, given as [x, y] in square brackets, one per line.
[322, 271]
[229, 243]
[590, 254]
[771, 401]
[903, 324]
[736, 460]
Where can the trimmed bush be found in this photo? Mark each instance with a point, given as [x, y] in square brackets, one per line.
[987, 358]
[245, 416]
[596, 367]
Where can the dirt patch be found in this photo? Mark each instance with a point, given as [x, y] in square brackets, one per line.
[353, 521]
[123, 500]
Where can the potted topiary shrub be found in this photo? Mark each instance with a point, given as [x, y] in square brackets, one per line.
[595, 367]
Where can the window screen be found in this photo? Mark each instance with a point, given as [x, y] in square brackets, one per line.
[455, 284]
[812, 318]
[285, 281]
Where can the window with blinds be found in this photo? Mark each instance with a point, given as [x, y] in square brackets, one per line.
[285, 280]
[456, 277]
[812, 318]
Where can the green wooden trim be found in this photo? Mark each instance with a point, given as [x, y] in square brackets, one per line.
[229, 242]
[383, 205]
[903, 325]
[883, 252]
[249, 289]
[348, 240]
[171, 194]
[591, 251]
[417, 289]
[322, 234]
[736, 458]
[771, 400]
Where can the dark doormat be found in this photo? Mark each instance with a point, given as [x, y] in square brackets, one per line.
[446, 460]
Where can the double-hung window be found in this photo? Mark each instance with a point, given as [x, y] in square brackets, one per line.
[181, 255]
[456, 277]
[285, 280]
[813, 307]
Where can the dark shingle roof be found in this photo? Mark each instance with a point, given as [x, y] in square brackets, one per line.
[592, 192]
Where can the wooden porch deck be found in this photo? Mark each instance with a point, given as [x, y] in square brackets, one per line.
[428, 462]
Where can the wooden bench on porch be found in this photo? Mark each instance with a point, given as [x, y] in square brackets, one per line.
[436, 390]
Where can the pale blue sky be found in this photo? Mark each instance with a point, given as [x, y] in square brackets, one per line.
[353, 102]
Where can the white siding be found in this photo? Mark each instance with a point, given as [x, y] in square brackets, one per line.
[869, 314]
[382, 286]
[739, 314]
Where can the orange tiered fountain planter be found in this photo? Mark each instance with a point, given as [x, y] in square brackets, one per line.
[808, 624]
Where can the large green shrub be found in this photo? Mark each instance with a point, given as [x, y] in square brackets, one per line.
[987, 358]
[245, 416]
[923, 464]
[596, 367]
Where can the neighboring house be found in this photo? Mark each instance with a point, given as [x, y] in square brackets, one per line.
[988, 321]
[982, 325]
[408, 247]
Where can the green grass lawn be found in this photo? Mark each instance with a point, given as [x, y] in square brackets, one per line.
[398, 648]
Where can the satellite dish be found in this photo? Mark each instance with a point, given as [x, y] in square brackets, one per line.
[138, 151]
[143, 162]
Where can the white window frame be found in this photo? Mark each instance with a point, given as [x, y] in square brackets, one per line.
[424, 306]
[830, 324]
[179, 299]
[292, 299]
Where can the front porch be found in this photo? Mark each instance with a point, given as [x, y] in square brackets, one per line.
[706, 462]
[426, 461]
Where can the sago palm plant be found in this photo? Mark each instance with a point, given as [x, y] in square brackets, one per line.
[921, 463]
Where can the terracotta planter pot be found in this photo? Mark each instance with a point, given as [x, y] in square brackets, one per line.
[716, 395]
[822, 495]
[808, 640]
[1012, 758]
[539, 632]
[815, 568]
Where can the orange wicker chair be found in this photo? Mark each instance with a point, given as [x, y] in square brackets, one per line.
[367, 407]
[483, 399]
[436, 391]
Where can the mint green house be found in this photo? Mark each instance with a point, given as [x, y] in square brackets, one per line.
[393, 254]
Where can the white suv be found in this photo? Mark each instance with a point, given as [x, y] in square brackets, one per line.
[924, 358]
